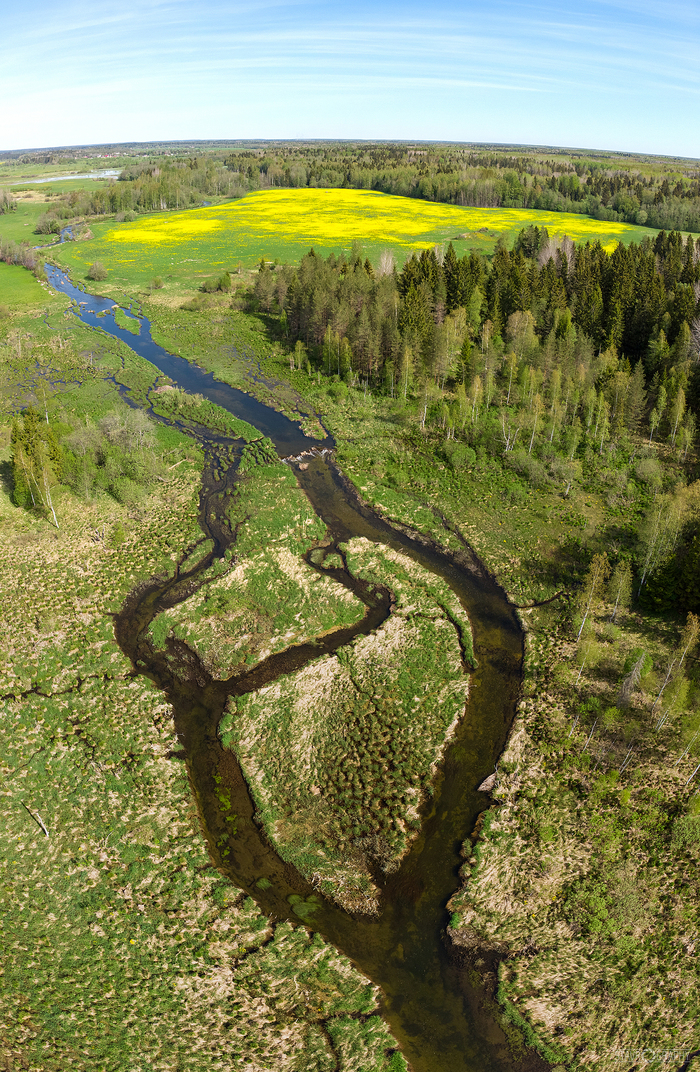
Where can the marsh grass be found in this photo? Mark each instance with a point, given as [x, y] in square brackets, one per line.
[341, 754]
[122, 946]
[270, 598]
[585, 863]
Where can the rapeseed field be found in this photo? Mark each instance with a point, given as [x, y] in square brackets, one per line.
[283, 224]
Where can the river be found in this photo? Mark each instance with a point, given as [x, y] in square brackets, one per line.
[432, 1005]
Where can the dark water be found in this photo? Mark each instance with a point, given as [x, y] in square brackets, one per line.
[432, 1007]
[286, 434]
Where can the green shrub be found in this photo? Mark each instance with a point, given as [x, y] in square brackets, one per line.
[97, 272]
[160, 628]
[686, 831]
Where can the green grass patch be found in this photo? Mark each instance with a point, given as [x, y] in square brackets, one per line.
[19, 289]
[340, 755]
[269, 599]
[20, 224]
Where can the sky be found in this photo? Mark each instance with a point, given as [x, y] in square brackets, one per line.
[589, 74]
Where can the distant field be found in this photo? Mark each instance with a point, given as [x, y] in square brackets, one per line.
[19, 289]
[62, 186]
[20, 224]
[283, 224]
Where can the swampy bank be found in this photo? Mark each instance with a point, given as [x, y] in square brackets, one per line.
[433, 1008]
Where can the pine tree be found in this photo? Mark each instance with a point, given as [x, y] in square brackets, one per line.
[636, 399]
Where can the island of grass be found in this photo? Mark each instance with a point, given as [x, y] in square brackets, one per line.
[270, 598]
[341, 755]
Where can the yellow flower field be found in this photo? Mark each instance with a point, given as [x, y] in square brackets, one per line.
[341, 216]
[283, 224]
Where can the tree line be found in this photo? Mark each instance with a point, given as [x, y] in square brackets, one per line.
[443, 318]
[655, 193]
[646, 191]
[560, 361]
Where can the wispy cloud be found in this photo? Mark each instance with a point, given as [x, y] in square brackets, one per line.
[595, 69]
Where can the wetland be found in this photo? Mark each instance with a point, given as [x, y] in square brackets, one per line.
[431, 1003]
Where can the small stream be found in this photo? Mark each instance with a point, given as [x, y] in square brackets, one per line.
[432, 1006]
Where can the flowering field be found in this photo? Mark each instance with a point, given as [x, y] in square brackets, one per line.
[283, 224]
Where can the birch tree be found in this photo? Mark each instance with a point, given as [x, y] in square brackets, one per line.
[593, 588]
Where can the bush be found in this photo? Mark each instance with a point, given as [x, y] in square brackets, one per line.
[648, 471]
[222, 283]
[196, 304]
[157, 283]
[460, 456]
[686, 831]
[97, 271]
[47, 224]
[4, 311]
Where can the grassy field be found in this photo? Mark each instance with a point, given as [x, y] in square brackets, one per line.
[20, 224]
[581, 873]
[271, 599]
[282, 225]
[19, 289]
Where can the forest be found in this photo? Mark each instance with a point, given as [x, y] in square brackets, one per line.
[553, 358]
[652, 191]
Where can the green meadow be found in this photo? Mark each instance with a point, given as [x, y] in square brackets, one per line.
[19, 289]
[19, 226]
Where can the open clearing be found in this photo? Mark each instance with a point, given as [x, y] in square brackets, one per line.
[19, 288]
[282, 225]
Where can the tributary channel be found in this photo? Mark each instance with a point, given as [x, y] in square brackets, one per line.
[431, 1002]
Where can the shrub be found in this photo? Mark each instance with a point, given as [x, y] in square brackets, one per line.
[222, 283]
[47, 224]
[97, 271]
[686, 831]
[648, 471]
[4, 311]
[461, 457]
[196, 304]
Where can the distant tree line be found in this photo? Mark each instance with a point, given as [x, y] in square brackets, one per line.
[646, 193]
[653, 192]
[147, 187]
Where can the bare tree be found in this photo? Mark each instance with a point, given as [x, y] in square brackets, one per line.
[387, 262]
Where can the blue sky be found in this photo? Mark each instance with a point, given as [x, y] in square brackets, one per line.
[593, 74]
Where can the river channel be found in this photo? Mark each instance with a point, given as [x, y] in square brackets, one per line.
[431, 1004]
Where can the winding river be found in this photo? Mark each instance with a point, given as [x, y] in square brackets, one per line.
[433, 1008]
